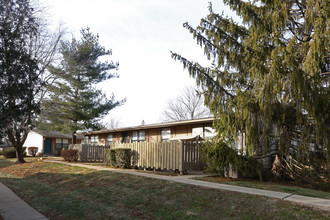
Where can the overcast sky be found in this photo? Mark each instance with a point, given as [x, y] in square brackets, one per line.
[141, 34]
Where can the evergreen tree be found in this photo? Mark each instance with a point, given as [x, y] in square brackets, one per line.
[269, 78]
[25, 52]
[74, 103]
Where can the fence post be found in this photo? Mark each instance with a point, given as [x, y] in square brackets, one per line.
[83, 152]
[181, 153]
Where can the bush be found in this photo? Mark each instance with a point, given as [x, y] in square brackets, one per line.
[120, 157]
[123, 157]
[220, 158]
[110, 157]
[70, 155]
[11, 152]
[249, 166]
[33, 151]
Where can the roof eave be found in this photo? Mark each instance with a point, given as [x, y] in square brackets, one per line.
[158, 125]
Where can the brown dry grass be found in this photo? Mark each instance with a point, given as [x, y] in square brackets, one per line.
[66, 192]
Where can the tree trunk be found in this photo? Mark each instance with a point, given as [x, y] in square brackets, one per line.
[277, 169]
[19, 155]
[17, 140]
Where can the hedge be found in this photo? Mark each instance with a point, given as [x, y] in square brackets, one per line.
[11, 152]
[220, 158]
[70, 155]
[120, 157]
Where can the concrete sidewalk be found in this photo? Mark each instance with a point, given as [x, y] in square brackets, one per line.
[14, 208]
[186, 179]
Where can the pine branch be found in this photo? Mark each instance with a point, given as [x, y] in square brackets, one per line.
[196, 70]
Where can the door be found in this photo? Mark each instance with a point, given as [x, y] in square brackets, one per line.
[48, 146]
[124, 137]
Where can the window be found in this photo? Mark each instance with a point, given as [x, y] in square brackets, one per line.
[166, 134]
[61, 143]
[58, 143]
[110, 136]
[65, 143]
[86, 140]
[95, 140]
[124, 137]
[138, 136]
[142, 135]
[209, 132]
[197, 131]
[134, 136]
[205, 132]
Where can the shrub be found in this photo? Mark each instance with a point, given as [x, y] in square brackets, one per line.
[1, 152]
[120, 157]
[70, 155]
[220, 158]
[110, 157]
[123, 157]
[249, 166]
[11, 152]
[33, 151]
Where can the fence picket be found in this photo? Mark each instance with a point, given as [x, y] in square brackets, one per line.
[174, 155]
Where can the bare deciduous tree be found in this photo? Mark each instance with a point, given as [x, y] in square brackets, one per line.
[113, 123]
[188, 105]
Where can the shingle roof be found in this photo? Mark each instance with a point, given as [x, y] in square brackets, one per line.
[159, 125]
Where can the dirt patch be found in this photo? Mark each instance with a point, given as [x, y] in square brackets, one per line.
[24, 170]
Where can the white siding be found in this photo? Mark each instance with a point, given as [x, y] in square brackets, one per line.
[198, 131]
[34, 140]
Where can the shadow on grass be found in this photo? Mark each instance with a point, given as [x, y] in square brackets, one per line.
[5, 163]
[275, 186]
[65, 192]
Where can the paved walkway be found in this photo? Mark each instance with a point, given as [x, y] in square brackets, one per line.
[14, 208]
[186, 179]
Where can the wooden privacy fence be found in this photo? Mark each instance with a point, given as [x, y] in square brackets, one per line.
[173, 155]
[90, 153]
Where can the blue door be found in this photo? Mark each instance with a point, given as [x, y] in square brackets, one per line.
[48, 146]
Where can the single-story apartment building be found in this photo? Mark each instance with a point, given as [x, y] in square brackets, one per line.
[49, 142]
[178, 130]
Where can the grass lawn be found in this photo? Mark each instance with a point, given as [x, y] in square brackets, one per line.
[65, 192]
[11, 161]
[289, 188]
[158, 172]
